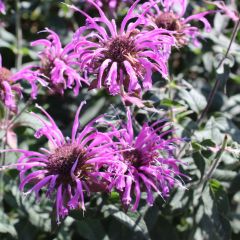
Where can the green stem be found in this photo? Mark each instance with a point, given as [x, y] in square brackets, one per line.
[217, 82]
[18, 115]
[3, 156]
[18, 34]
[214, 165]
[215, 87]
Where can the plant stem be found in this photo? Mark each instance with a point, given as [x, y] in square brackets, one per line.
[217, 82]
[215, 164]
[18, 34]
[30, 100]
[215, 87]
[4, 140]
[3, 156]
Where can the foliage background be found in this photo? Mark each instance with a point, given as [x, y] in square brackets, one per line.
[210, 210]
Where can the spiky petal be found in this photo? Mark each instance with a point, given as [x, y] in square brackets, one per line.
[121, 60]
[9, 88]
[170, 15]
[151, 164]
[57, 69]
[2, 7]
[72, 166]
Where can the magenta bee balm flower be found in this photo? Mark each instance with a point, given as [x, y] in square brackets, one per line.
[110, 7]
[70, 168]
[170, 16]
[228, 10]
[58, 67]
[9, 88]
[2, 7]
[121, 60]
[112, 4]
[151, 165]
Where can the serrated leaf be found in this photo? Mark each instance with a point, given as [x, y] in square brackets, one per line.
[211, 131]
[91, 229]
[196, 101]
[6, 225]
[214, 223]
[28, 120]
[134, 221]
[219, 196]
[200, 162]
[170, 103]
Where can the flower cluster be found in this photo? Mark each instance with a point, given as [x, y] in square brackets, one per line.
[121, 60]
[120, 56]
[92, 161]
[151, 165]
[57, 69]
[9, 88]
[169, 15]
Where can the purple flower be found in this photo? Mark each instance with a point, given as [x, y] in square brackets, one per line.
[112, 4]
[170, 16]
[58, 68]
[9, 89]
[229, 10]
[2, 7]
[70, 168]
[122, 60]
[151, 165]
[109, 6]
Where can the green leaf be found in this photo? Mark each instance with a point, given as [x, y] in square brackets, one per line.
[195, 100]
[6, 225]
[91, 229]
[114, 197]
[133, 221]
[170, 103]
[180, 200]
[211, 131]
[28, 120]
[164, 230]
[219, 196]
[213, 223]
[200, 162]
[2, 110]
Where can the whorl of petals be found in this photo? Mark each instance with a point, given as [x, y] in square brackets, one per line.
[151, 163]
[9, 88]
[170, 15]
[121, 60]
[58, 68]
[71, 168]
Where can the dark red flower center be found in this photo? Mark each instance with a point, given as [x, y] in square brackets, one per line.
[168, 21]
[62, 160]
[120, 48]
[46, 69]
[5, 74]
[133, 157]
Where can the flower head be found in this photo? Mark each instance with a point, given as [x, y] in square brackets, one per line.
[170, 16]
[112, 4]
[70, 168]
[151, 165]
[57, 69]
[2, 7]
[111, 7]
[9, 89]
[122, 60]
[229, 10]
